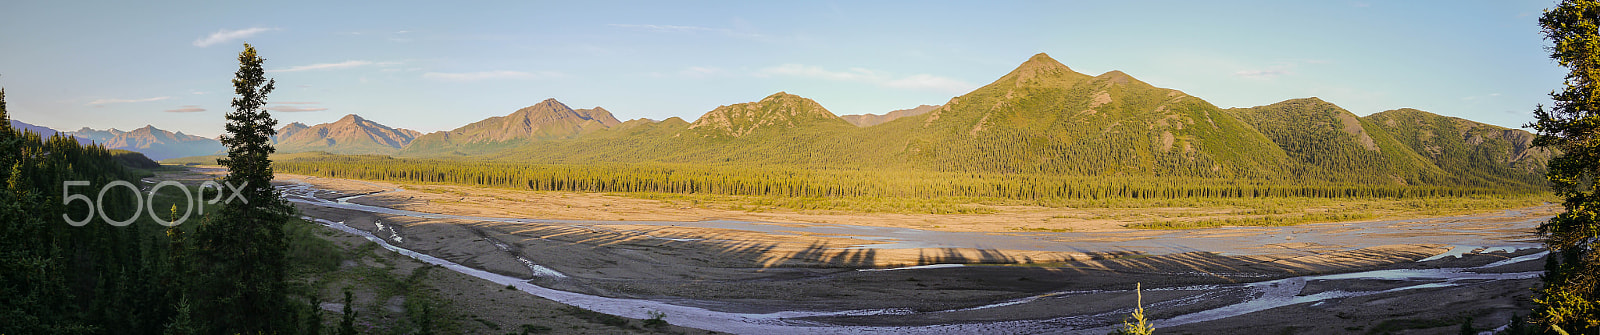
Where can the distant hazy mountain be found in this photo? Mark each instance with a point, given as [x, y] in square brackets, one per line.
[547, 120]
[41, 130]
[96, 136]
[868, 120]
[349, 135]
[289, 130]
[159, 144]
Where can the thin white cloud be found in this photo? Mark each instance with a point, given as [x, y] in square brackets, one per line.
[797, 70]
[662, 28]
[1262, 74]
[932, 83]
[701, 71]
[225, 35]
[926, 82]
[186, 109]
[120, 101]
[293, 109]
[487, 75]
[325, 66]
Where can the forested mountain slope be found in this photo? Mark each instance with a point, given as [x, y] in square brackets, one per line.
[1327, 142]
[1042, 118]
[1485, 154]
[1045, 118]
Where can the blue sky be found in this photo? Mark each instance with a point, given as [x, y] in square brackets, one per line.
[438, 65]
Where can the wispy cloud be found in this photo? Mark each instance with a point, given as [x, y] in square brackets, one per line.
[925, 82]
[797, 70]
[487, 75]
[225, 35]
[1279, 69]
[120, 101]
[293, 109]
[186, 109]
[932, 83]
[1262, 74]
[663, 28]
[325, 66]
[701, 71]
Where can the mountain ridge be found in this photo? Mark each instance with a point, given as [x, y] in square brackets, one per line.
[548, 120]
[160, 144]
[351, 134]
[868, 120]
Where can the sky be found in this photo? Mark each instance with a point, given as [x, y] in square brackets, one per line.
[437, 65]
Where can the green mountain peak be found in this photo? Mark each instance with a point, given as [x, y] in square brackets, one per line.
[779, 110]
[1042, 68]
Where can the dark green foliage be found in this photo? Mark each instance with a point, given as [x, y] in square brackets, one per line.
[1570, 298]
[823, 183]
[657, 320]
[134, 159]
[347, 326]
[597, 317]
[314, 321]
[57, 278]
[243, 247]
[182, 323]
[141, 278]
[534, 329]
[1518, 326]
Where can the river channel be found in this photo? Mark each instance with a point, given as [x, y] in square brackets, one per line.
[1491, 233]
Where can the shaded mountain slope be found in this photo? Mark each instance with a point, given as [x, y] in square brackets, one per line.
[1486, 153]
[1329, 143]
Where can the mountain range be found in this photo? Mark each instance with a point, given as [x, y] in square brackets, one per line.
[351, 134]
[154, 143]
[1042, 117]
[160, 144]
[868, 120]
[547, 120]
[41, 130]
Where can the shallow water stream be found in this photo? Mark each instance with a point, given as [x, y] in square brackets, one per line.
[1482, 233]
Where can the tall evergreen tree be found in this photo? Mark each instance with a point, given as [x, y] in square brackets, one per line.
[243, 247]
[1569, 302]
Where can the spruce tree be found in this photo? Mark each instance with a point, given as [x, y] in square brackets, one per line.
[1568, 301]
[243, 246]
